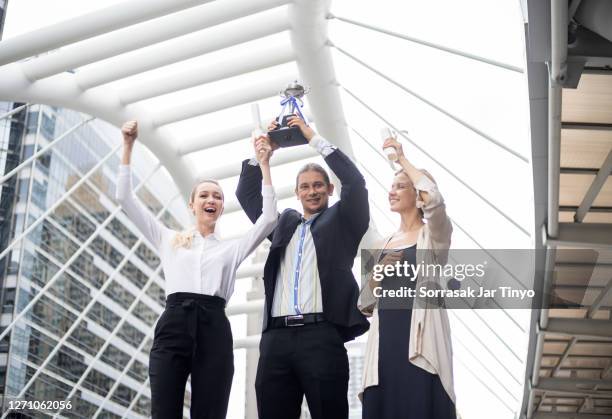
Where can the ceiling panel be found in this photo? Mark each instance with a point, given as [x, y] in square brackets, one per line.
[590, 102]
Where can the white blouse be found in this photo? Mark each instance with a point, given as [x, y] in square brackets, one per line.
[209, 265]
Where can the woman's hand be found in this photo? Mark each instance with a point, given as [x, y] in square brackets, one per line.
[392, 142]
[129, 130]
[263, 149]
[296, 121]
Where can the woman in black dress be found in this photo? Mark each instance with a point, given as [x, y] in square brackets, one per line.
[408, 362]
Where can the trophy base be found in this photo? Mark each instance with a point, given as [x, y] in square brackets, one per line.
[287, 137]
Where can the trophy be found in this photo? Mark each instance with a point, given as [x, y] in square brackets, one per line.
[284, 135]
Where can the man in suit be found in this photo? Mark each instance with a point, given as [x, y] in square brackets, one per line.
[311, 293]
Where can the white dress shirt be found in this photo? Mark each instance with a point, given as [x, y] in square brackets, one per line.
[298, 286]
[209, 265]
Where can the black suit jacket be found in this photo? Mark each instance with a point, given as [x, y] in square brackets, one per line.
[336, 233]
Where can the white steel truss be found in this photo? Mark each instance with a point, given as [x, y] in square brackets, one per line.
[87, 58]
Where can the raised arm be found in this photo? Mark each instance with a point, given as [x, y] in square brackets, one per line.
[353, 205]
[248, 191]
[434, 211]
[148, 225]
[413, 173]
[429, 199]
[252, 174]
[267, 220]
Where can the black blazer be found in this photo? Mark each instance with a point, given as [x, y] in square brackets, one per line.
[336, 233]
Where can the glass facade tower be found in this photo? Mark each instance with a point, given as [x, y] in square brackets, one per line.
[90, 286]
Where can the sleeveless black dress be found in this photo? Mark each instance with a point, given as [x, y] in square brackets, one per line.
[404, 391]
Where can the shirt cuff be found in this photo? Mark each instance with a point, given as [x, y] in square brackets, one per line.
[324, 147]
[267, 190]
[424, 184]
[253, 162]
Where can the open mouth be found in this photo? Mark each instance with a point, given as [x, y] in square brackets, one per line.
[210, 210]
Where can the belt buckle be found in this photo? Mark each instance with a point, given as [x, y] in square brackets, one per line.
[292, 321]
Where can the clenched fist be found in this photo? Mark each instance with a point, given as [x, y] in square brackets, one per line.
[129, 130]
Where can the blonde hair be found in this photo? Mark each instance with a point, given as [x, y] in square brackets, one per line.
[185, 238]
[427, 174]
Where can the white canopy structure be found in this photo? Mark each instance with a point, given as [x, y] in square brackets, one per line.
[189, 71]
[113, 44]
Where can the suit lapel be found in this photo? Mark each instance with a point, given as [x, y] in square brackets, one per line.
[285, 229]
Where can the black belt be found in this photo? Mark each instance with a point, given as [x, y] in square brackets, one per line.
[297, 320]
[196, 307]
[191, 299]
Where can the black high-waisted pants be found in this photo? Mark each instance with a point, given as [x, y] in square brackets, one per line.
[192, 336]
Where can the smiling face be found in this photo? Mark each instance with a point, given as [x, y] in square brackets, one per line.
[402, 196]
[207, 202]
[313, 191]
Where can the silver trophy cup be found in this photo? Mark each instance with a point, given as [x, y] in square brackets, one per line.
[284, 135]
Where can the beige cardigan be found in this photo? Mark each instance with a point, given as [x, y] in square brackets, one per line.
[430, 340]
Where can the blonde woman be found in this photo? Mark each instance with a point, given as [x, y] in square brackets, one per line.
[408, 363]
[193, 335]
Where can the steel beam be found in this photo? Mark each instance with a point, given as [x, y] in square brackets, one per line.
[131, 38]
[282, 192]
[240, 96]
[310, 42]
[179, 49]
[433, 105]
[87, 26]
[255, 306]
[249, 342]
[255, 269]
[594, 189]
[44, 149]
[586, 126]
[428, 44]
[62, 91]
[213, 139]
[14, 111]
[574, 386]
[233, 133]
[247, 62]
[281, 156]
[580, 328]
[588, 235]
[435, 160]
[559, 22]
[578, 171]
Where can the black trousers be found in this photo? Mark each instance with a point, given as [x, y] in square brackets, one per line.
[192, 336]
[308, 360]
